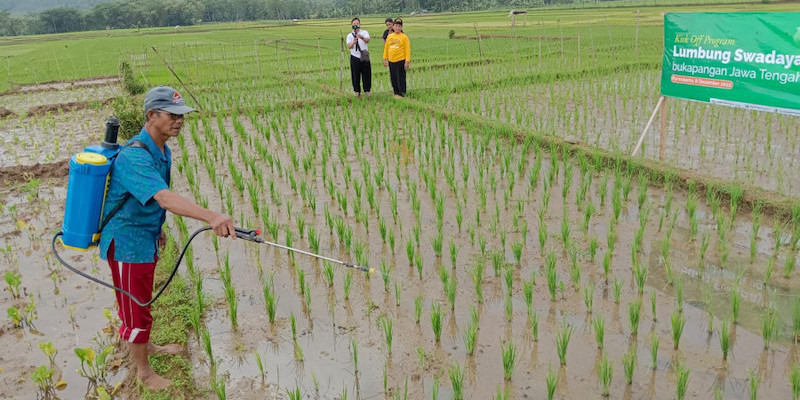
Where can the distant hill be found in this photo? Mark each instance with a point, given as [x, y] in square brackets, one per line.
[27, 6]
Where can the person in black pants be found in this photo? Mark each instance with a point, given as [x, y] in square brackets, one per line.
[397, 56]
[360, 68]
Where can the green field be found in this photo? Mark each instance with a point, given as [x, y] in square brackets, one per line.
[505, 173]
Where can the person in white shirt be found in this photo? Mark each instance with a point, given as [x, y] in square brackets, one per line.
[360, 67]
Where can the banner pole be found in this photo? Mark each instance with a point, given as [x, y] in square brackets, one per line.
[650, 122]
[663, 141]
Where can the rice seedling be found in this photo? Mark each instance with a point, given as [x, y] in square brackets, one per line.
[654, 341]
[533, 316]
[230, 292]
[386, 326]
[501, 395]
[509, 351]
[260, 364]
[653, 305]
[574, 269]
[418, 263]
[768, 326]
[565, 229]
[508, 276]
[679, 295]
[327, 272]
[542, 235]
[436, 243]
[527, 291]
[794, 378]
[348, 280]
[736, 302]
[607, 265]
[612, 238]
[498, 262]
[640, 275]
[398, 292]
[386, 272]
[436, 321]
[588, 296]
[789, 265]
[691, 207]
[605, 371]
[629, 363]
[796, 319]
[509, 307]
[354, 353]
[682, 380]
[757, 219]
[435, 388]
[634, 312]
[593, 247]
[753, 381]
[551, 380]
[725, 339]
[270, 301]
[562, 342]
[678, 322]
[616, 290]
[476, 273]
[516, 248]
[599, 326]
[457, 381]
[469, 336]
[552, 277]
[769, 269]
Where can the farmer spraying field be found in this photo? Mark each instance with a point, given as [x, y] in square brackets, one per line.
[138, 197]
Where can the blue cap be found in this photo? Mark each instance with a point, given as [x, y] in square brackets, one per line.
[167, 99]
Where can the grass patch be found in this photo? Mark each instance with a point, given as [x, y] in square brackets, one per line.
[171, 325]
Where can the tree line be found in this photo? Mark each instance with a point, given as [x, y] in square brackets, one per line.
[120, 14]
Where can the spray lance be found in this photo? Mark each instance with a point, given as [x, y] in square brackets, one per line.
[89, 175]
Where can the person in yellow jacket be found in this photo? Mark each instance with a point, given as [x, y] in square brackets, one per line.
[397, 56]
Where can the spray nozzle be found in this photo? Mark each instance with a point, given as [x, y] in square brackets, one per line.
[249, 234]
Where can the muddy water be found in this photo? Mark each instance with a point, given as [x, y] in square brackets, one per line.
[20, 103]
[326, 328]
[48, 139]
[69, 309]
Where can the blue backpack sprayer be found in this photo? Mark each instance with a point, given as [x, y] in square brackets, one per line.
[89, 175]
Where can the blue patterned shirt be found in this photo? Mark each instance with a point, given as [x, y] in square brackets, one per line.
[135, 228]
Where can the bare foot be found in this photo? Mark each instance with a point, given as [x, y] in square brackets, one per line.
[171, 349]
[155, 382]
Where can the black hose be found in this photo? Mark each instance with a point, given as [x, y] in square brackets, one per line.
[123, 291]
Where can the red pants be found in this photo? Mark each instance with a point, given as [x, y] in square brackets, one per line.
[138, 280]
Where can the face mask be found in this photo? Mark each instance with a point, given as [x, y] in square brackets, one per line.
[356, 26]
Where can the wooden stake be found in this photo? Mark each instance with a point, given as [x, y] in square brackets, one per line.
[663, 140]
[480, 51]
[637, 36]
[579, 43]
[169, 67]
[321, 65]
[341, 62]
[286, 50]
[611, 41]
[647, 127]
[258, 59]
[540, 45]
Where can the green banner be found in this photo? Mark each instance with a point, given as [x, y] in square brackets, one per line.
[747, 60]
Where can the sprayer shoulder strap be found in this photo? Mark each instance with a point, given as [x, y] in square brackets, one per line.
[131, 143]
